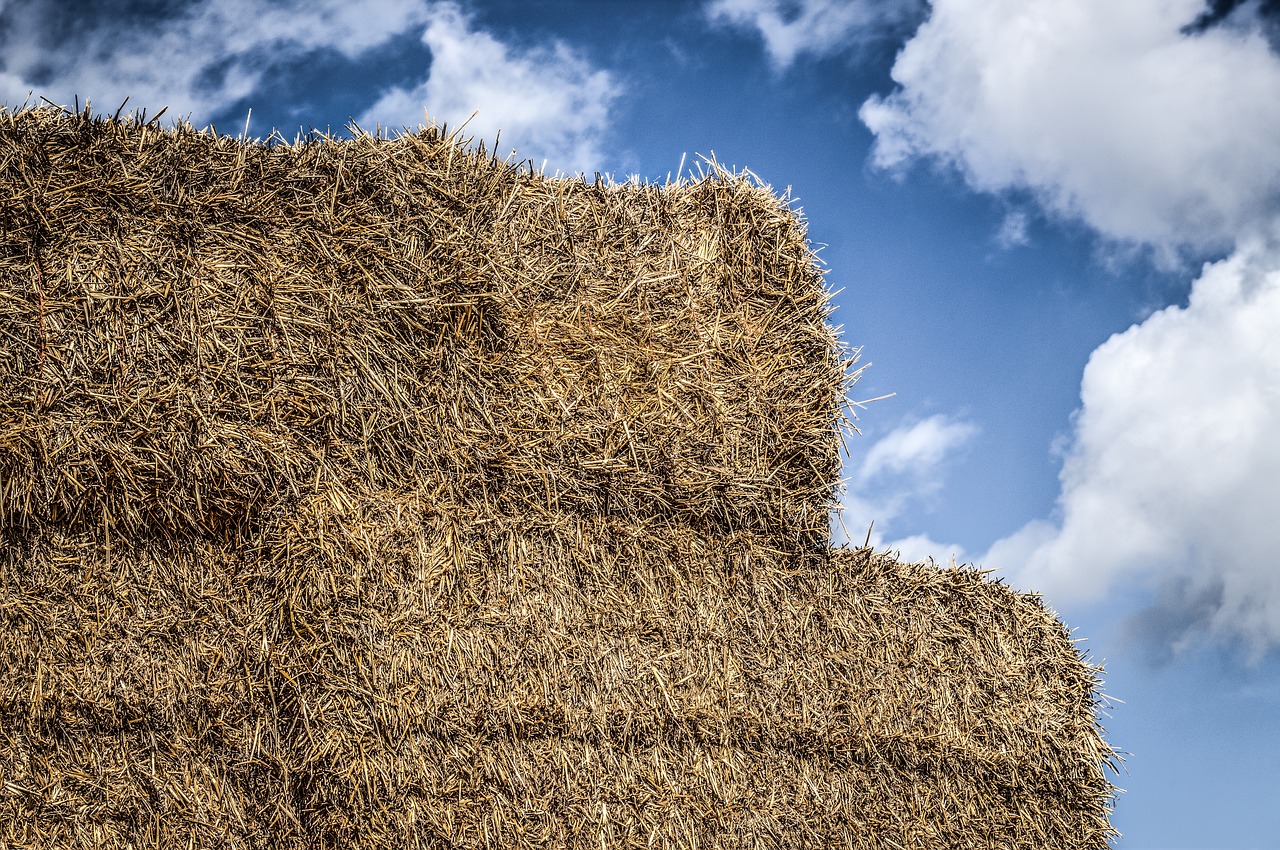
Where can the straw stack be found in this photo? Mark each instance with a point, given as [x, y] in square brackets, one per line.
[202, 328]
[378, 493]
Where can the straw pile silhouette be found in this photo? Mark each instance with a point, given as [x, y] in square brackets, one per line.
[381, 493]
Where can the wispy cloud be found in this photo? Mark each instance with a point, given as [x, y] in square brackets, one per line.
[197, 59]
[1013, 230]
[916, 450]
[549, 102]
[793, 28]
[904, 468]
[204, 57]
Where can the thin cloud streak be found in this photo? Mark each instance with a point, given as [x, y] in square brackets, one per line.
[198, 62]
[817, 28]
[917, 449]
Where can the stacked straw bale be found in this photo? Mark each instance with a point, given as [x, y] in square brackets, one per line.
[377, 493]
[202, 329]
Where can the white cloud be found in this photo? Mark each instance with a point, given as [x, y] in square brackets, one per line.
[1013, 230]
[917, 449]
[197, 62]
[548, 102]
[792, 28]
[918, 548]
[1104, 110]
[1112, 114]
[903, 468]
[1174, 473]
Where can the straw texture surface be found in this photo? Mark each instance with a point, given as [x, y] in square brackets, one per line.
[377, 493]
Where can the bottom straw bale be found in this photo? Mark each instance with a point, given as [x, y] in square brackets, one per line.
[389, 671]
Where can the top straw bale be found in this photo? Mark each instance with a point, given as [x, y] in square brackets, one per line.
[198, 327]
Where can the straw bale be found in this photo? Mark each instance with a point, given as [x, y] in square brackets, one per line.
[404, 672]
[200, 327]
[378, 493]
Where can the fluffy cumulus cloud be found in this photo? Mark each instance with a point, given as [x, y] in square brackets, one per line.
[792, 28]
[1174, 475]
[1111, 113]
[548, 102]
[197, 58]
[202, 57]
[1155, 122]
[906, 467]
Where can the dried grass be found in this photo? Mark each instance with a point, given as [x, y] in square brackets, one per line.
[378, 493]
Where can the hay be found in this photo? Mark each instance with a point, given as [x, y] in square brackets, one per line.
[200, 328]
[378, 493]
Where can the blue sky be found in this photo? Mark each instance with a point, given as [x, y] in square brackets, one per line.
[1055, 225]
